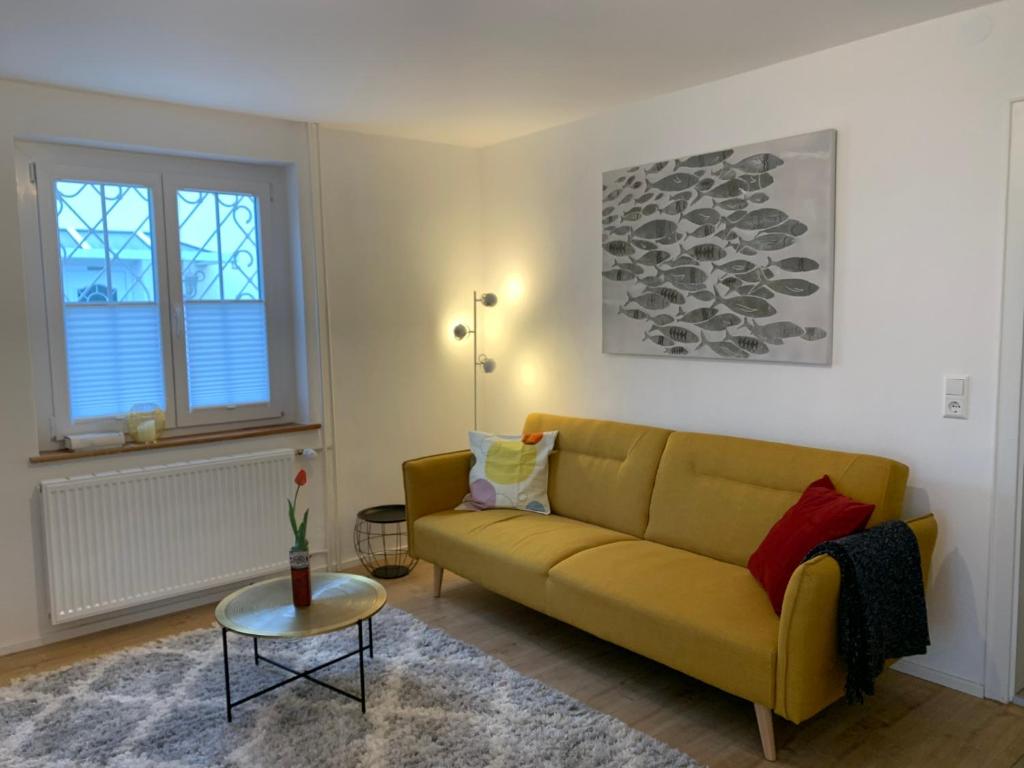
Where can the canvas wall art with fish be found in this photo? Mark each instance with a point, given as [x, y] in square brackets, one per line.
[725, 254]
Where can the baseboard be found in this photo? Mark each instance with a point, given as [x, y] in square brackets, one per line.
[961, 684]
[152, 611]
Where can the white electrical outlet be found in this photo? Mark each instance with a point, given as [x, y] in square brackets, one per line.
[954, 397]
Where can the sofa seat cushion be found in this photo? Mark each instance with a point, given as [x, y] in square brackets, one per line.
[506, 550]
[703, 617]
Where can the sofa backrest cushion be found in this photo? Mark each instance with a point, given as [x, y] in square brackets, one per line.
[719, 496]
[601, 472]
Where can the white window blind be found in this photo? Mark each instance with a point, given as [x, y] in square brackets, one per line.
[115, 359]
[227, 353]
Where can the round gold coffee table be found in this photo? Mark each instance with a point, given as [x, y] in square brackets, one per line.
[264, 609]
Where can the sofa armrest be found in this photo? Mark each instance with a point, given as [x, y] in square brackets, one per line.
[810, 675]
[433, 484]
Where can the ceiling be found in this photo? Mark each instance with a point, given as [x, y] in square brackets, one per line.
[472, 72]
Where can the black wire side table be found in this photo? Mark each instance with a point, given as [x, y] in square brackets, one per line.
[382, 543]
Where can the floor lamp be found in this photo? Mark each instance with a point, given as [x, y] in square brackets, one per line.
[480, 360]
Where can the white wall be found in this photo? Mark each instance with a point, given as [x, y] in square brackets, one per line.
[402, 253]
[33, 112]
[923, 116]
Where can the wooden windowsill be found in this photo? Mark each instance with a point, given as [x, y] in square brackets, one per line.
[173, 442]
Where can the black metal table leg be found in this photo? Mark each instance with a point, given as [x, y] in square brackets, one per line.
[227, 672]
[299, 674]
[362, 678]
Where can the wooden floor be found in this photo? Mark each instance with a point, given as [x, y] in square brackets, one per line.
[908, 723]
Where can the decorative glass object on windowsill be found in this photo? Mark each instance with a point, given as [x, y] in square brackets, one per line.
[146, 422]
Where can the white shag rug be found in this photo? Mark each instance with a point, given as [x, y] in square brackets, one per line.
[431, 701]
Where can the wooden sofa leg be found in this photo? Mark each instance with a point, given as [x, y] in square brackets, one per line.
[438, 575]
[767, 729]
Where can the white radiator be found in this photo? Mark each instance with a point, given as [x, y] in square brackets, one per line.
[119, 539]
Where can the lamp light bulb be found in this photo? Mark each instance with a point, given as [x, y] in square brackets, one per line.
[489, 299]
[488, 364]
[460, 331]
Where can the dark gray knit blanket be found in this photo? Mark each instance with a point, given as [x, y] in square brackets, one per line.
[882, 614]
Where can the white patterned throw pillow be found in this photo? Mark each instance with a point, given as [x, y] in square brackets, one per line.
[509, 471]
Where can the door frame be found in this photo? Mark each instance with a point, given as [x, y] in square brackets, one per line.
[1004, 569]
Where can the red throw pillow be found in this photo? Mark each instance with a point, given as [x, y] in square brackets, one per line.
[821, 514]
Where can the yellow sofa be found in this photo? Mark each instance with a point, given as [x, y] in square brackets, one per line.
[647, 548]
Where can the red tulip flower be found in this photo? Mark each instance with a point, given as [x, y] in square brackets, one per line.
[300, 478]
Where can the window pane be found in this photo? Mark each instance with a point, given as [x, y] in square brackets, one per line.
[220, 252]
[227, 353]
[225, 316]
[114, 358]
[104, 232]
[108, 283]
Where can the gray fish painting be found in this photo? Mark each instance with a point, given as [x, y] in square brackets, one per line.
[653, 258]
[700, 232]
[635, 314]
[793, 286]
[736, 267]
[726, 254]
[734, 204]
[792, 227]
[675, 182]
[619, 248]
[681, 334]
[750, 344]
[759, 218]
[795, 264]
[619, 275]
[656, 229]
[686, 274]
[649, 301]
[752, 182]
[720, 322]
[782, 329]
[674, 296]
[758, 163]
[703, 161]
[661, 341]
[727, 349]
[706, 252]
[727, 189]
[651, 281]
[749, 306]
[770, 241]
[703, 216]
[699, 315]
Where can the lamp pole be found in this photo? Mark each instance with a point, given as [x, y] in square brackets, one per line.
[479, 361]
[476, 364]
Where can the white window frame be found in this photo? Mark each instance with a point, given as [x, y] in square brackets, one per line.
[164, 175]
